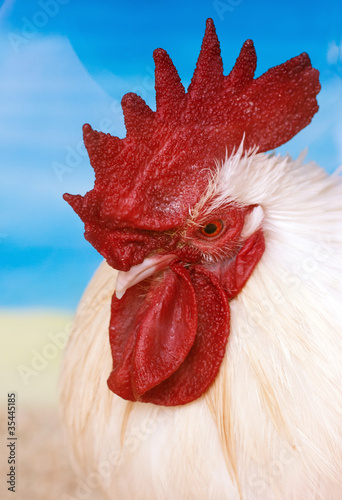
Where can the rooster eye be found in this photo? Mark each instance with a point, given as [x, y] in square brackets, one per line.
[212, 228]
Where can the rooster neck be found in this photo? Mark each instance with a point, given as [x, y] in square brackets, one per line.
[277, 398]
[271, 423]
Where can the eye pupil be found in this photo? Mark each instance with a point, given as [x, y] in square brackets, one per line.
[213, 228]
[210, 228]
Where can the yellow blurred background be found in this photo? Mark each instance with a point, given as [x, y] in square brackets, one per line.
[30, 358]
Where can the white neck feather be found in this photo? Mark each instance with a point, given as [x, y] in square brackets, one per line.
[283, 372]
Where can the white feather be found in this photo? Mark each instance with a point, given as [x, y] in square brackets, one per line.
[270, 427]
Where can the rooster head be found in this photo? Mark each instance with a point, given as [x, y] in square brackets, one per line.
[158, 214]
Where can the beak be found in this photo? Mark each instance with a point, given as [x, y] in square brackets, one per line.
[138, 273]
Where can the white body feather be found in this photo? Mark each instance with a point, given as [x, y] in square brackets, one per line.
[270, 427]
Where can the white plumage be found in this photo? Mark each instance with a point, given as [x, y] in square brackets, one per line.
[270, 426]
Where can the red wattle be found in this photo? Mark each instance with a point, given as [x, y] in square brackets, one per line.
[168, 344]
[199, 370]
[166, 332]
[125, 317]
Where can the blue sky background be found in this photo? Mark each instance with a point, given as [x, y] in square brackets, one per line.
[67, 62]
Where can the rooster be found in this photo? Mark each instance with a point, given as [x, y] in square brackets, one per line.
[205, 357]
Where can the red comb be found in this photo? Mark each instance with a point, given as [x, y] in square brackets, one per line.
[149, 179]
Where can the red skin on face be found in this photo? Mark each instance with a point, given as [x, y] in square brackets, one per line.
[168, 335]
